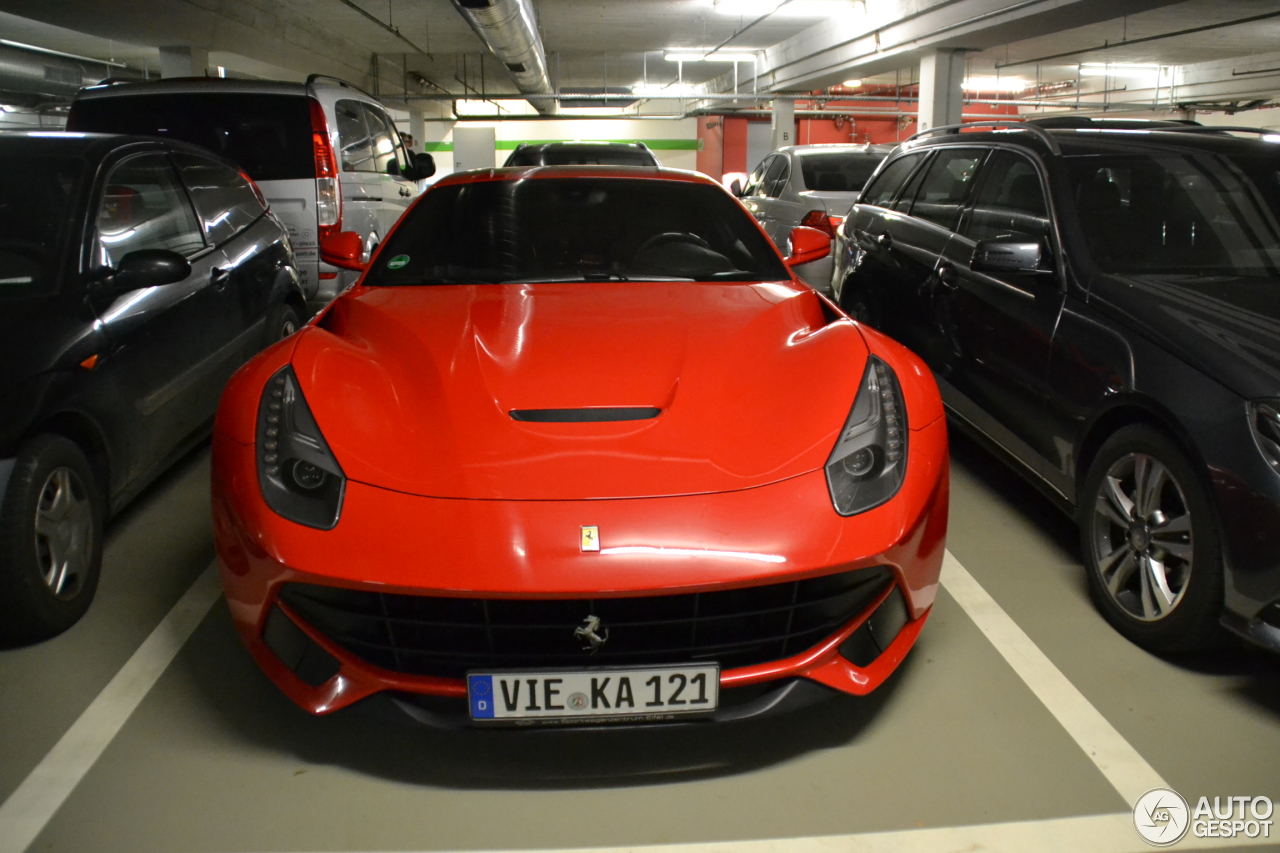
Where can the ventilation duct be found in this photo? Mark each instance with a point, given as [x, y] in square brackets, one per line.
[510, 31]
[29, 76]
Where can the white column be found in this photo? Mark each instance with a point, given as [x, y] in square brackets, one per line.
[181, 61]
[784, 124]
[941, 95]
[417, 128]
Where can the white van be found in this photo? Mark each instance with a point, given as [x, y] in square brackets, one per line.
[326, 154]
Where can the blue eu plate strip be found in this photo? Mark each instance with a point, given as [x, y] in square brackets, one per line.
[480, 695]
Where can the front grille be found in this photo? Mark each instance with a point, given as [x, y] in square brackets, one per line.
[446, 637]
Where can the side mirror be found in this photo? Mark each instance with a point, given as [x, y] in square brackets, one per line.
[424, 165]
[343, 250]
[147, 268]
[1006, 256]
[807, 245]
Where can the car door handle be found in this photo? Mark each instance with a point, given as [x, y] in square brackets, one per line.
[219, 277]
[947, 276]
[884, 240]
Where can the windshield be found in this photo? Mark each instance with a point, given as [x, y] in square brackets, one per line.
[36, 195]
[575, 229]
[838, 172]
[1180, 212]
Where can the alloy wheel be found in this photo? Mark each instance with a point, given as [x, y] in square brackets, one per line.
[64, 532]
[1141, 537]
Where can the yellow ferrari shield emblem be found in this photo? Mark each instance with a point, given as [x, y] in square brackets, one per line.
[591, 538]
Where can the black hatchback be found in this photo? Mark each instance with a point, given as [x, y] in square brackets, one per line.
[1101, 307]
[136, 275]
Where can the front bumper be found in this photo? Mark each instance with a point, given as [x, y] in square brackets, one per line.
[396, 543]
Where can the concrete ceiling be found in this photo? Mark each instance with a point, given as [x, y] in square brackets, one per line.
[589, 44]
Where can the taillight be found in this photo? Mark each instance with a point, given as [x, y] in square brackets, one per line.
[836, 222]
[328, 193]
[819, 219]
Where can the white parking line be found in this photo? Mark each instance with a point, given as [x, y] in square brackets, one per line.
[1126, 770]
[33, 804]
[1107, 833]
[43, 792]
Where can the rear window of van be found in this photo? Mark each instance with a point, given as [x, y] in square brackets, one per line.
[268, 135]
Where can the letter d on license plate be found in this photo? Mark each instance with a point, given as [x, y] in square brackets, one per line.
[633, 692]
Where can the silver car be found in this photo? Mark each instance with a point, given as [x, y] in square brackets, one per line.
[807, 185]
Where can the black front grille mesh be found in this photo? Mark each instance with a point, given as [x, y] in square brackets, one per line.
[446, 637]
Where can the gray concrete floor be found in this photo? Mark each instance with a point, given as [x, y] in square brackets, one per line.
[216, 759]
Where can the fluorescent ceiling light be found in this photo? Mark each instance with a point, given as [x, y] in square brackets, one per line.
[473, 108]
[689, 56]
[794, 9]
[995, 84]
[851, 84]
[1117, 69]
[671, 90]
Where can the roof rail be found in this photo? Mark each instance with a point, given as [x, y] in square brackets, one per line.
[1209, 128]
[1039, 132]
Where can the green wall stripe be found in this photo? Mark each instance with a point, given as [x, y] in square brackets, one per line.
[511, 144]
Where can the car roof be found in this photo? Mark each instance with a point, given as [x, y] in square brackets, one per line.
[568, 143]
[91, 146]
[517, 173]
[834, 147]
[191, 85]
[1092, 140]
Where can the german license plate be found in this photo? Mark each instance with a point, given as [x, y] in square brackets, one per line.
[623, 694]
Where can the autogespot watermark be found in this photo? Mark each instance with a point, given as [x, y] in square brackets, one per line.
[1163, 818]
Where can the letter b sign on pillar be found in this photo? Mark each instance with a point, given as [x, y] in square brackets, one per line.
[784, 123]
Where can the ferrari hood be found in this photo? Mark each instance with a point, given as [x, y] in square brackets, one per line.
[569, 391]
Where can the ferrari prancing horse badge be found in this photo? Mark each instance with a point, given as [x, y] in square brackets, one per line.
[591, 538]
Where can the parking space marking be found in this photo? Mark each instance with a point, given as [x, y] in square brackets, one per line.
[1107, 833]
[46, 788]
[1126, 770]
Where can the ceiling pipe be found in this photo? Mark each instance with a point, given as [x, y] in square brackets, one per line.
[29, 74]
[510, 31]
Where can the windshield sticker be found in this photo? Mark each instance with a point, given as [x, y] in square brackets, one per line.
[397, 262]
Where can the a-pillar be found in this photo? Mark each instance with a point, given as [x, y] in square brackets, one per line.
[183, 61]
[941, 92]
[784, 123]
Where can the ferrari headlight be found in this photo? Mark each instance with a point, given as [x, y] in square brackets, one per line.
[1265, 418]
[869, 461]
[297, 473]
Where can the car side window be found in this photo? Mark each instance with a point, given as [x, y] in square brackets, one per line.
[223, 197]
[885, 187]
[144, 206]
[757, 176]
[385, 142]
[771, 174]
[946, 185]
[354, 140]
[779, 183]
[1010, 202]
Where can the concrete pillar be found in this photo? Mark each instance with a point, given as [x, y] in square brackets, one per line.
[783, 128]
[183, 61]
[941, 95]
[417, 128]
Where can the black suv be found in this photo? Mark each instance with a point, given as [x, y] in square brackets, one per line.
[582, 154]
[1101, 307]
[136, 275]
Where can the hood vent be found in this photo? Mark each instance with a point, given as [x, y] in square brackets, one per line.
[597, 414]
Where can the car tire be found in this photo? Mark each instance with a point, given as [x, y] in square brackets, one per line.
[857, 303]
[282, 322]
[1151, 543]
[51, 531]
